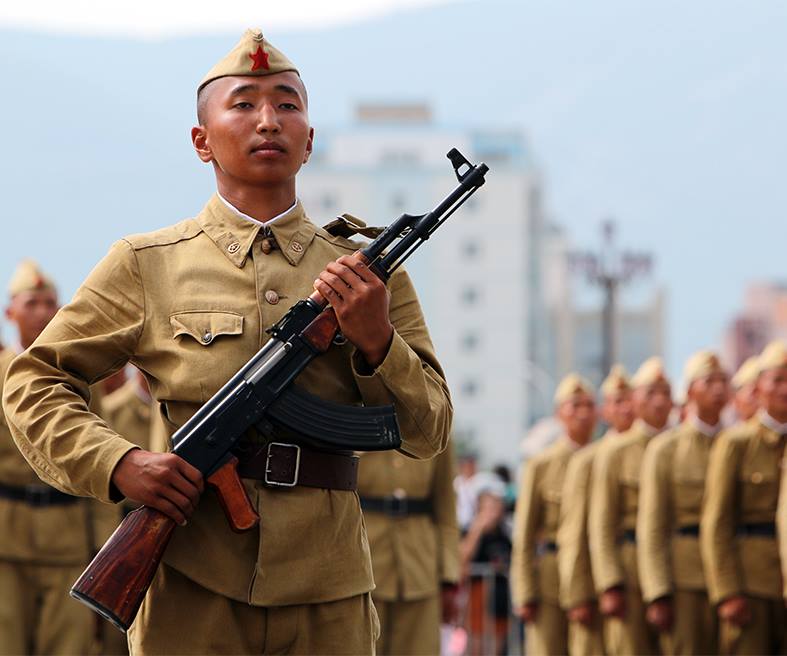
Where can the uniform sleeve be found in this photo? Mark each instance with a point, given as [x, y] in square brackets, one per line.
[46, 393]
[527, 516]
[410, 377]
[654, 524]
[573, 555]
[444, 513]
[723, 571]
[781, 525]
[603, 522]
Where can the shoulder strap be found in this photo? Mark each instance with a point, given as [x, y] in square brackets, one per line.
[348, 226]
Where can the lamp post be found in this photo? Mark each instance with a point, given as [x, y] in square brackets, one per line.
[608, 269]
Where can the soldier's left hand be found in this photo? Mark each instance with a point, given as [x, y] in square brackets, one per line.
[659, 614]
[361, 301]
[582, 614]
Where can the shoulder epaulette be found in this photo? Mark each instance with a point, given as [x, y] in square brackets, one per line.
[348, 226]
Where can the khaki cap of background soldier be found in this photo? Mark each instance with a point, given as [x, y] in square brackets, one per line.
[707, 386]
[744, 384]
[617, 409]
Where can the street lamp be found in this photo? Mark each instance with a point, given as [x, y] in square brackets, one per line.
[609, 269]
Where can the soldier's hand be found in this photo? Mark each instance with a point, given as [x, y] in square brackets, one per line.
[659, 614]
[613, 603]
[528, 612]
[582, 614]
[735, 610]
[162, 481]
[360, 300]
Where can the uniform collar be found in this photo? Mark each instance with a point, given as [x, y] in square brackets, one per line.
[704, 429]
[646, 429]
[235, 236]
[775, 430]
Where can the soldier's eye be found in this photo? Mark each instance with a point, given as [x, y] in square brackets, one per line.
[288, 106]
[242, 105]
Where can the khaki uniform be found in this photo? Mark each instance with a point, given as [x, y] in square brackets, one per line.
[412, 554]
[189, 305]
[43, 549]
[739, 548]
[668, 549]
[534, 566]
[573, 556]
[611, 531]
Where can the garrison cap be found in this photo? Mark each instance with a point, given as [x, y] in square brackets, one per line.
[29, 277]
[571, 385]
[651, 371]
[701, 364]
[747, 373]
[252, 55]
[774, 355]
[617, 381]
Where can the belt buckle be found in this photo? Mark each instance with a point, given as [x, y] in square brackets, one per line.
[295, 471]
[395, 505]
[36, 496]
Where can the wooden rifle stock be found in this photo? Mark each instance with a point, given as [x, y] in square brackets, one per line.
[115, 582]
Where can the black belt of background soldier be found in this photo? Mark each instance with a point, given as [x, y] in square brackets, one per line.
[396, 506]
[758, 529]
[38, 495]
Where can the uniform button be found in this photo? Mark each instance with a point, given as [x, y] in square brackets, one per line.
[399, 493]
[756, 477]
[296, 246]
[266, 246]
[233, 247]
[272, 297]
[207, 338]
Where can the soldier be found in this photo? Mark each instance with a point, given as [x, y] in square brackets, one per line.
[738, 531]
[534, 569]
[45, 535]
[577, 592]
[673, 481]
[189, 305]
[744, 384]
[613, 516]
[410, 511]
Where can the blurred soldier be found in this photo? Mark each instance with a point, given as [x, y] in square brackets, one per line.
[534, 567]
[410, 511]
[744, 382]
[613, 516]
[45, 535]
[673, 481]
[577, 593]
[738, 531]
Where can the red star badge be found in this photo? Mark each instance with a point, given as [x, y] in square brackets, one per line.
[260, 59]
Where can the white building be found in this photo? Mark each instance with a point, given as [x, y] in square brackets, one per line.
[478, 279]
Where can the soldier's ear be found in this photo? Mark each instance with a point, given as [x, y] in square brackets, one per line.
[309, 146]
[199, 137]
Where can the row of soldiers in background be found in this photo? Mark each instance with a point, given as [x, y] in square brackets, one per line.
[658, 539]
[47, 536]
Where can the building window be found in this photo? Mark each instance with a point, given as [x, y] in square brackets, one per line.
[470, 388]
[471, 249]
[328, 201]
[398, 201]
[469, 342]
[469, 296]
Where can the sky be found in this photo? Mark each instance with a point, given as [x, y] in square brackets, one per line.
[154, 19]
[667, 116]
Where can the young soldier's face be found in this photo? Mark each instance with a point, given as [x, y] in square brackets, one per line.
[578, 416]
[653, 403]
[255, 129]
[746, 402]
[772, 389]
[710, 393]
[618, 410]
[31, 312]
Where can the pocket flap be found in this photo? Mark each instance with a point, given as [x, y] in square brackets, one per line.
[204, 327]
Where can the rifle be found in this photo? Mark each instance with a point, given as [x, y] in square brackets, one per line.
[261, 394]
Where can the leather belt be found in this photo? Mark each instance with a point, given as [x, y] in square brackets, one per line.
[38, 496]
[760, 529]
[690, 530]
[547, 546]
[629, 535]
[288, 465]
[396, 506]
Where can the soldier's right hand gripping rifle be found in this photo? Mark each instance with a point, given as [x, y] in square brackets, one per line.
[261, 392]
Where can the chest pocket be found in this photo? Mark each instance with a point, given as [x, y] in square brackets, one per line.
[629, 498]
[688, 495]
[759, 490]
[204, 327]
[551, 497]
